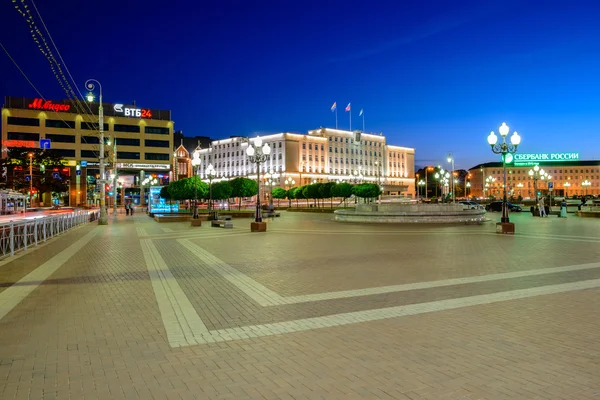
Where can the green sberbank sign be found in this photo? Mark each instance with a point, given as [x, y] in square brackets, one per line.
[520, 158]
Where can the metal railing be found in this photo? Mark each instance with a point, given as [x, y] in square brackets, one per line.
[25, 233]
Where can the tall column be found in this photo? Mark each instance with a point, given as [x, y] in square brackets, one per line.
[142, 192]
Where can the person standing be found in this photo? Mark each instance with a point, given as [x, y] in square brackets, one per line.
[131, 207]
[542, 207]
[126, 208]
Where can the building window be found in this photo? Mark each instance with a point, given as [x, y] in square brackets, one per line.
[128, 142]
[154, 130]
[310, 146]
[66, 152]
[90, 140]
[23, 121]
[91, 154]
[128, 155]
[127, 128]
[23, 136]
[61, 138]
[156, 143]
[92, 127]
[304, 146]
[156, 156]
[56, 123]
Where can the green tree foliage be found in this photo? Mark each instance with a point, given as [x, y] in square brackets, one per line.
[183, 189]
[297, 193]
[243, 187]
[279, 193]
[325, 190]
[311, 192]
[45, 165]
[221, 190]
[366, 190]
[164, 193]
[343, 190]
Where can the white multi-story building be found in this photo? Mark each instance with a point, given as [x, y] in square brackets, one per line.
[322, 155]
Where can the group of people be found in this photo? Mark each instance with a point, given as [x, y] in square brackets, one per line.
[129, 207]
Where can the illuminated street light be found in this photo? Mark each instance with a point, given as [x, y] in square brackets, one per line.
[585, 185]
[257, 153]
[210, 175]
[566, 185]
[90, 84]
[505, 148]
[195, 164]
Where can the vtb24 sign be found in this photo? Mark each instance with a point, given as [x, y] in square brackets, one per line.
[132, 112]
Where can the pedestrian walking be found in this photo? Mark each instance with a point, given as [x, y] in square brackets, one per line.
[131, 207]
[127, 209]
[563, 209]
[542, 207]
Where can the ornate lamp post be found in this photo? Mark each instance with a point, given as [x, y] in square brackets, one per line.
[443, 177]
[537, 173]
[451, 161]
[195, 163]
[421, 184]
[289, 183]
[566, 185]
[257, 153]
[504, 148]
[585, 185]
[467, 189]
[90, 84]
[210, 175]
[30, 155]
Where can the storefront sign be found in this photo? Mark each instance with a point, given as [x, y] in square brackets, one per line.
[41, 104]
[144, 166]
[545, 157]
[18, 143]
[132, 111]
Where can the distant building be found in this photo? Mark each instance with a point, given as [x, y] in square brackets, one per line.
[322, 155]
[569, 176]
[190, 143]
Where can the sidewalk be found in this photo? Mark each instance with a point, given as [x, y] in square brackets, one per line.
[310, 310]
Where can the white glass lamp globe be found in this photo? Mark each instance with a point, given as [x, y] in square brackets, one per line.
[503, 129]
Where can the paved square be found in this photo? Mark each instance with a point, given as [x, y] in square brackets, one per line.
[310, 309]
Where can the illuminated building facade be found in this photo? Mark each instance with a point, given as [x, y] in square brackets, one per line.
[322, 155]
[569, 176]
[144, 138]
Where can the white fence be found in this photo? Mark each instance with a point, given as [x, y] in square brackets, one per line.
[25, 233]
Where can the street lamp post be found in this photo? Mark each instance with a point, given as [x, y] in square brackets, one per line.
[30, 180]
[585, 185]
[258, 153]
[467, 188]
[443, 177]
[504, 148]
[537, 173]
[116, 175]
[421, 184]
[210, 175]
[289, 182]
[90, 84]
[195, 163]
[451, 161]
[566, 185]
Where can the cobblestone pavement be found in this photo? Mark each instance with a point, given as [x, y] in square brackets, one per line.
[311, 309]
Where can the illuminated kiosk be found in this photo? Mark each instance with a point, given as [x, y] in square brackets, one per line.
[410, 213]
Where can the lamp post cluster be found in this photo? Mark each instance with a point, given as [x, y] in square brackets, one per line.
[258, 153]
[489, 182]
[585, 185]
[270, 181]
[421, 183]
[289, 182]
[504, 148]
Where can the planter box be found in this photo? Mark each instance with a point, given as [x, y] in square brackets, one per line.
[258, 227]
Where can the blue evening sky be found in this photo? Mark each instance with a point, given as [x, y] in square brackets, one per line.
[436, 75]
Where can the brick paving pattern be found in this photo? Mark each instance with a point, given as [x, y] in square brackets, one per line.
[312, 309]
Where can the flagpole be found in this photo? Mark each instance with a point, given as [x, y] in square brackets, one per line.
[350, 118]
[336, 121]
[363, 115]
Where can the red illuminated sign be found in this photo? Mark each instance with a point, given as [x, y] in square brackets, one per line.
[40, 104]
[18, 143]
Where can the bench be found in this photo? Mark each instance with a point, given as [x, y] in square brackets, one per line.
[219, 223]
[270, 214]
[223, 217]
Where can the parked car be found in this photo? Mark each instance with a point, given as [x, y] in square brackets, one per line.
[471, 205]
[497, 206]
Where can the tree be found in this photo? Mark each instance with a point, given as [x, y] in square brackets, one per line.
[164, 193]
[221, 190]
[367, 190]
[298, 193]
[311, 192]
[278, 193]
[343, 190]
[49, 172]
[325, 190]
[243, 187]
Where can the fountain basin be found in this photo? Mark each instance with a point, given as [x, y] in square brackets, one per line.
[410, 214]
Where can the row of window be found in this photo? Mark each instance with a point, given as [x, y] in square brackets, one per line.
[360, 152]
[85, 139]
[559, 171]
[56, 123]
[367, 143]
[127, 155]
